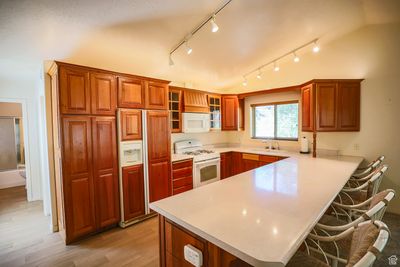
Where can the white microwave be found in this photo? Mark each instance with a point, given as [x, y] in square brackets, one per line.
[195, 122]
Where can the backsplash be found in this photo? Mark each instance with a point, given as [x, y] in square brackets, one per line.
[210, 138]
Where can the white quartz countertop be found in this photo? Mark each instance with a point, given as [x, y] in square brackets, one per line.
[262, 216]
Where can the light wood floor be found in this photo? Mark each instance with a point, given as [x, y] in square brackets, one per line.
[25, 239]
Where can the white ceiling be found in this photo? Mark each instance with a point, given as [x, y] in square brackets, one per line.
[136, 36]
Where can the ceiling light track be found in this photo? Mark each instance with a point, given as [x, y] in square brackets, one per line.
[214, 28]
[274, 62]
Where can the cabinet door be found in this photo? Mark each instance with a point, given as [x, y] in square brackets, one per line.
[307, 108]
[159, 180]
[248, 164]
[349, 106]
[326, 106]
[133, 191]
[105, 170]
[156, 95]
[130, 92]
[229, 113]
[77, 177]
[131, 125]
[74, 90]
[226, 163]
[159, 154]
[104, 93]
[237, 160]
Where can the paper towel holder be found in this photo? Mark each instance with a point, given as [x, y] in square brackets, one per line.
[304, 149]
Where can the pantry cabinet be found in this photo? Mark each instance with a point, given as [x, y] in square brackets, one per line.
[331, 106]
[90, 178]
[156, 95]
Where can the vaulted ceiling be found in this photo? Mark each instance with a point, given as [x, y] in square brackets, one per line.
[135, 36]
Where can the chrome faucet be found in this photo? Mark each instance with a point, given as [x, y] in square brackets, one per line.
[277, 145]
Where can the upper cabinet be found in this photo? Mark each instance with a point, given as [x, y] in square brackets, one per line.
[103, 90]
[230, 106]
[74, 87]
[331, 106]
[156, 95]
[131, 124]
[215, 111]
[175, 109]
[131, 92]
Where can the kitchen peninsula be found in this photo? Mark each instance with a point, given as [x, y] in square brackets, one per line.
[259, 217]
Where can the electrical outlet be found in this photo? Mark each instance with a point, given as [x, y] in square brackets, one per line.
[193, 255]
[356, 147]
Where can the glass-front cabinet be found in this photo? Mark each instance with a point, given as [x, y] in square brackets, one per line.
[215, 111]
[175, 110]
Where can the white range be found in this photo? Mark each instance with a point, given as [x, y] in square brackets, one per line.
[206, 163]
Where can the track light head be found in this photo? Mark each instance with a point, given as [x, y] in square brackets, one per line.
[276, 67]
[315, 47]
[259, 75]
[296, 58]
[214, 26]
[171, 62]
[189, 50]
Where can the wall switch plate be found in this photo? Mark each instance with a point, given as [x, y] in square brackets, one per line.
[193, 255]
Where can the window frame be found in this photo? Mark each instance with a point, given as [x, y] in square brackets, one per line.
[253, 119]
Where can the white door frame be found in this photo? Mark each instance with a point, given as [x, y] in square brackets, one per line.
[25, 120]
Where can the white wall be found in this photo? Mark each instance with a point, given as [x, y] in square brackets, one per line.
[26, 92]
[372, 53]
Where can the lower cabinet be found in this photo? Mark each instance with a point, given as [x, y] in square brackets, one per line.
[133, 191]
[182, 176]
[90, 177]
[173, 239]
[159, 180]
[233, 163]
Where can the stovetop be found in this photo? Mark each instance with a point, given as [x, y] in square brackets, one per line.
[198, 152]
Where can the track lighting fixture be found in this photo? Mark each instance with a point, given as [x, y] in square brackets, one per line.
[276, 67]
[189, 50]
[259, 75]
[274, 62]
[315, 47]
[214, 26]
[171, 62]
[296, 58]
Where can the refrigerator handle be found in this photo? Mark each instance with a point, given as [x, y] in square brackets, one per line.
[145, 162]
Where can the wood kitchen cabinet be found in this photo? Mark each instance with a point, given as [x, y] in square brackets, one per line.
[156, 95]
[90, 177]
[249, 162]
[86, 92]
[131, 92]
[236, 166]
[133, 191]
[331, 106]
[182, 176]
[230, 106]
[159, 154]
[131, 124]
[78, 189]
[74, 84]
[226, 165]
[105, 171]
[103, 91]
[175, 109]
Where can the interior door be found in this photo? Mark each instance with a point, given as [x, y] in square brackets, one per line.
[105, 170]
[78, 177]
[8, 149]
[159, 154]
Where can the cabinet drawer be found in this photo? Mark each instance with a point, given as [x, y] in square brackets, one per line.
[188, 180]
[182, 164]
[182, 189]
[179, 173]
[250, 156]
[266, 158]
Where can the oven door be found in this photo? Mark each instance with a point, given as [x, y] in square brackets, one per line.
[206, 172]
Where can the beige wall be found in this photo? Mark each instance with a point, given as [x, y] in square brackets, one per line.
[372, 53]
[216, 137]
[10, 109]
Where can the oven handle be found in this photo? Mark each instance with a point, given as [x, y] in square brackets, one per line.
[208, 161]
